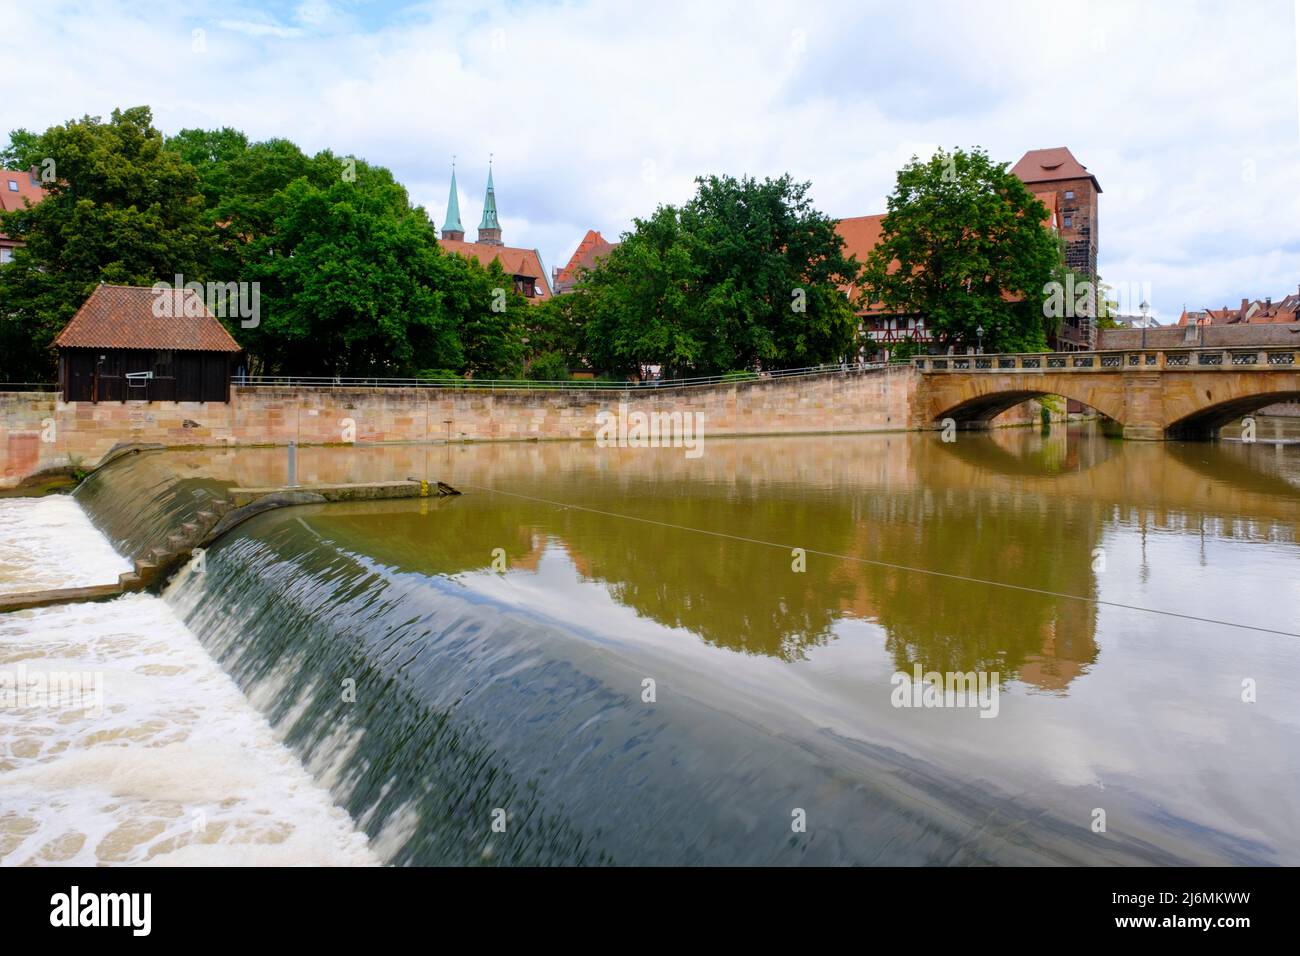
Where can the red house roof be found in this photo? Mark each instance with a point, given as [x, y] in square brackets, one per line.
[126, 317]
[593, 247]
[515, 261]
[18, 189]
[1051, 165]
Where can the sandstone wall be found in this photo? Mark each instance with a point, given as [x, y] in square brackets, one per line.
[37, 431]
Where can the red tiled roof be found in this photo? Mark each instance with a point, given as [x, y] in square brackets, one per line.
[1260, 312]
[593, 246]
[860, 235]
[28, 193]
[122, 317]
[1051, 165]
[515, 261]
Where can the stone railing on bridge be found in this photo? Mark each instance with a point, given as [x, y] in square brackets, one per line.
[1152, 393]
[1191, 359]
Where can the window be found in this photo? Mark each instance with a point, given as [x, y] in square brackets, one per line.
[6, 255]
[13, 185]
[1069, 221]
[1069, 194]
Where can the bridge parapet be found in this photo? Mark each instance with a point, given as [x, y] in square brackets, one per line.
[1271, 358]
[1152, 393]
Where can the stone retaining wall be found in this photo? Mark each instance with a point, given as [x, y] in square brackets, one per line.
[37, 431]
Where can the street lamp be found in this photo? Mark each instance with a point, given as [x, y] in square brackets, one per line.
[1144, 308]
[979, 336]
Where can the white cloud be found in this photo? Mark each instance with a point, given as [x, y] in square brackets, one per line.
[597, 112]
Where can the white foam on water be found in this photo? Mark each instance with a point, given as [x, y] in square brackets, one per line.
[173, 766]
[50, 543]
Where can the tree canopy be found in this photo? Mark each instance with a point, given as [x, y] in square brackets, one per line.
[121, 208]
[745, 275]
[963, 244]
[350, 276]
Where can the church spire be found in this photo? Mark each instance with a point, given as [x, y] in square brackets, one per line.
[451, 228]
[489, 229]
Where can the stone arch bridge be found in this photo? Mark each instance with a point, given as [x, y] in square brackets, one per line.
[1152, 393]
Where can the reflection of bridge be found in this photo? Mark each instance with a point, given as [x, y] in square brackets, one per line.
[1153, 394]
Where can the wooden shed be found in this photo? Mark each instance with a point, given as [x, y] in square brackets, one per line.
[136, 343]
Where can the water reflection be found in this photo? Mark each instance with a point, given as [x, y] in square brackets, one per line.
[776, 682]
[705, 545]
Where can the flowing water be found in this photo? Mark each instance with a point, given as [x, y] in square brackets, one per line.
[616, 655]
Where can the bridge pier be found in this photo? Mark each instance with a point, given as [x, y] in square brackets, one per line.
[1143, 433]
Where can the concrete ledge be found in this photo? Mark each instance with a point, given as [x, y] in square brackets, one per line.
[361, 491]
[23, 601]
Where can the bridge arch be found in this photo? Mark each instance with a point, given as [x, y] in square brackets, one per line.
[1205, 422]
[981, 398]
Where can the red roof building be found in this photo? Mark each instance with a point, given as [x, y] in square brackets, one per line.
[524, 265]
[1259, 312]
[862, 233]
[593, 247]
[144, 344]
[17, 191]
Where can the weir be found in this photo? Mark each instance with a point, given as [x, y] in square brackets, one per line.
[183, 514]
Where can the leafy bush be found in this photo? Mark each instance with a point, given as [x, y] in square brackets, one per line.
[549, 367]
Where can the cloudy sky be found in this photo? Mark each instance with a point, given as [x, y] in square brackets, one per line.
[596, 112]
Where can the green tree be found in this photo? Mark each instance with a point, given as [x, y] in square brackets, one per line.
[963, 244]
[352, 282]
[558, 326]
[492, 316]
[746, 275]
[23, 151]
[122, 209]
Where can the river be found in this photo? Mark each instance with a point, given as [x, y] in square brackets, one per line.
[630, 656]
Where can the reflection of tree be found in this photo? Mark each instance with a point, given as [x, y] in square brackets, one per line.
[951, 625]
[744, 596]
[732, 593]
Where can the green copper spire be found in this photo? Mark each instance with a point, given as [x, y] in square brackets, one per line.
[490, 207]
[451, 228]
[489, 230]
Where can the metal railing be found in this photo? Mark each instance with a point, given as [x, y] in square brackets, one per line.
[371, 381]
[1273, 358]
